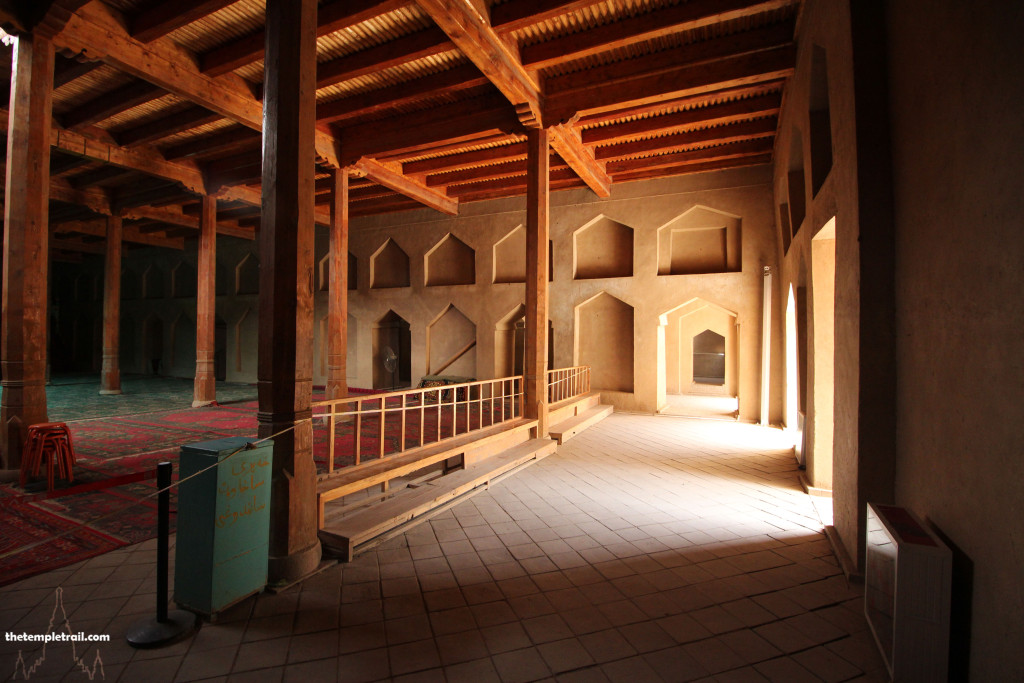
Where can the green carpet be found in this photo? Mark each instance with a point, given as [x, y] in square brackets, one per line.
[77, 397]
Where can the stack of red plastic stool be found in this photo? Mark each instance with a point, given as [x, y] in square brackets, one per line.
[43, 440]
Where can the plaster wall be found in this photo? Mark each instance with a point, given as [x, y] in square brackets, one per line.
[643, 207]
[743, 195]
[957, 93]
[856, 193]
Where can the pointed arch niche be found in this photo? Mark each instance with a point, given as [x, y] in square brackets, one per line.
[701, 350]
[604, 341]
[389, 266]
[700, 240]
[602, 248]
[510, 258]
[183, 281]
[247, 275]
[450, 262]
[391, 331]
[510, 343]
[451, 344]
[324, 272]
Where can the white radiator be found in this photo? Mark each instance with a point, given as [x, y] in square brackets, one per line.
[907, 577]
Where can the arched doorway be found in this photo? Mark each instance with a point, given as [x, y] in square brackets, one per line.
[699, 369]
[391, 332]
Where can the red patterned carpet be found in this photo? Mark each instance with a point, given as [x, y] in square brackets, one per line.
[107, 505]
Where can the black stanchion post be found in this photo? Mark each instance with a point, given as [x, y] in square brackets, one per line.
[168, 627]
[163, 531]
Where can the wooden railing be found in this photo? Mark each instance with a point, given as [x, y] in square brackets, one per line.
[421, 416]
[566, 383]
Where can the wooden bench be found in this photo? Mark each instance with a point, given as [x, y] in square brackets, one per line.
[570, 427]
[473, 445]
[365, 524]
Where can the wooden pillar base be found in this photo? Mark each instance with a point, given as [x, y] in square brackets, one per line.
[293, 526]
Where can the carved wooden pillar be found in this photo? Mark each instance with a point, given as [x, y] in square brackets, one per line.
[337, 303]
[26, 245]
[536, 366]
[110, 373]
[285, 371]
[205, 390]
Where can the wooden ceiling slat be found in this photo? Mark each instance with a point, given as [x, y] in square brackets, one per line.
[728, 151]
[507, 168]
[660, 85]
[466, 159]
[111, 103]
[715, 114]
[425, 43]
[696, 167]
[229, 139]
[745, 130]
[642, 27]
[459, 79]
[392, 177]
[331, 17]
[160, 19]
[496, 60]
[463, 120]
[517, 14]
[165, 126]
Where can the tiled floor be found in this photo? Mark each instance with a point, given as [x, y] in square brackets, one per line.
[645, 549]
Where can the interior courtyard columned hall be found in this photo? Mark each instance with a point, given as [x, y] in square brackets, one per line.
[512, 340]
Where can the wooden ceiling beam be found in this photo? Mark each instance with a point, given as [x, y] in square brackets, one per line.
[479, 41]
[517, 183]
[462, 160]
[566, 140]
[517, 14]
[158, 20]
[459, 79]
[96, 32]
[717, 135]
[727, 151]
[390, 176]
[691, 102]
[231, 139]
[76, 245]
[69, 69]
[111, 103]
[175, 216]
[101, 175]
[455, 145]
[696, 167]
[331, 17]
[507, 168]
[711, 115]
[166, 126]
[461, 121]
[130, 233]
[642, 27]
[424, 43]
[658, 85]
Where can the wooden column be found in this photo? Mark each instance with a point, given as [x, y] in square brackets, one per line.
[337, 302]
[285, 371]
[26, 246]
[536, 366]
[110, 374]
[205, 389]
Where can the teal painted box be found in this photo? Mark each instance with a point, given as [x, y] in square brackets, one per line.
[223, 524]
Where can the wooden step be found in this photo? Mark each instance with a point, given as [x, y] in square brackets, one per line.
[345, 535]
[568, 428]
[571, 407]
[341, 483]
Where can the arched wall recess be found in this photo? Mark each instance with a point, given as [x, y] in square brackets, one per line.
[450, 262]
[701, 240]
[605, 341]
[389, 266]
[603, 248]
